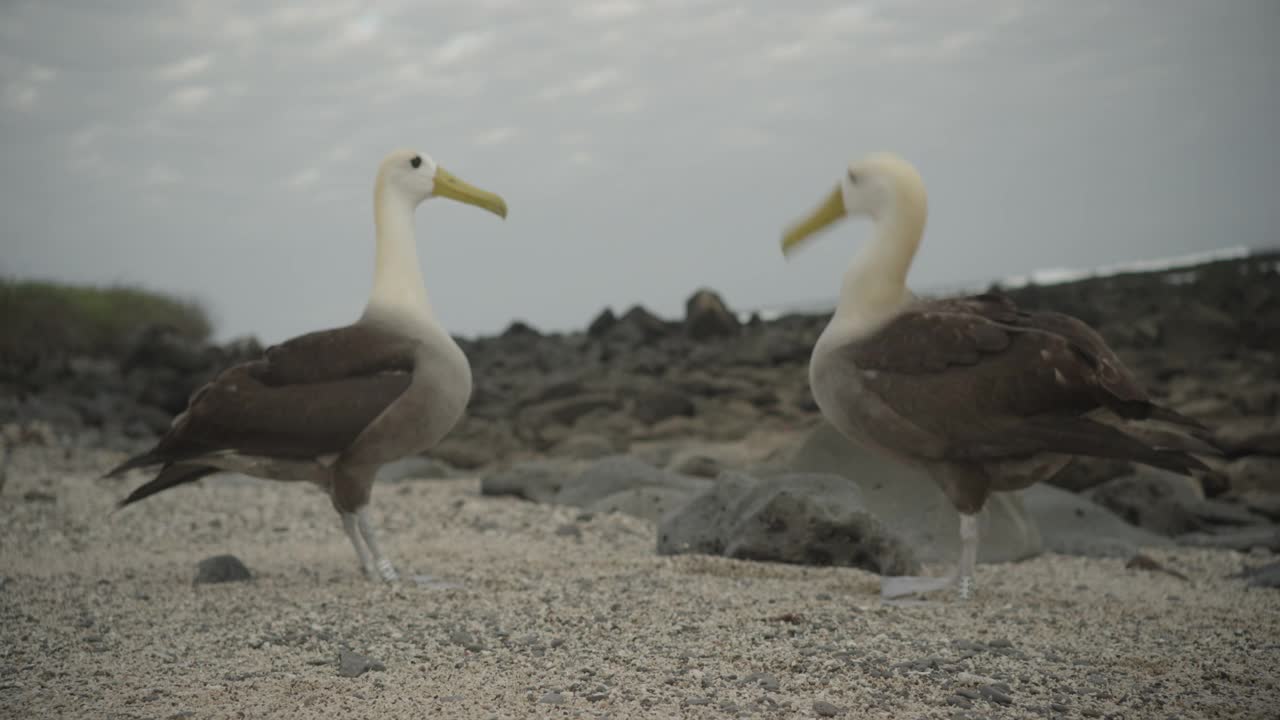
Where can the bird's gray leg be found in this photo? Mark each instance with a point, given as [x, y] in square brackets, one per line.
[968, 553]
[350, 524]
[383, 566]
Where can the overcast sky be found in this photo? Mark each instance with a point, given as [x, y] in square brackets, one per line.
[226, 150]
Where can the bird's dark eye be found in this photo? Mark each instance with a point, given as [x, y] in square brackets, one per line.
[853, 177]
[416, 162]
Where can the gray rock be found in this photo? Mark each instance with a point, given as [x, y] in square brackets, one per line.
[414, 468]
[803, 519]
[657, 404]
[1261, 503]
[464, 639]
[551, 698]
[1241, 539]
[1254, 473]
[584, 446]
[566, 411]
[1073, 525]
[764, 680]
[1259, 435]
[912, 506]
[1267, 576]
[602, 323]
[697, 465]
[620, 473]
[1218, 512]
[352, 664]
[649, 503]
[220, 569]
[1152, 499]
[826, 709]
[537, 480]
[706, 316]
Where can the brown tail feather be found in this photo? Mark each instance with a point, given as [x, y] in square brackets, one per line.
[150, 457]
[170, 476]
[1081, 436]
[1168, 415]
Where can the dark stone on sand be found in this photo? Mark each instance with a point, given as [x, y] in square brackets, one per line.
[996, 695]
[1074, 525]
[537, 480]
[912, 506]
[465, 639]
[765, 681]
[353, 664]
[619, 473]
[221, 569]
[826, 709]
[806, 519]
[1151, 499]
[1266, 576]
[1241, 539]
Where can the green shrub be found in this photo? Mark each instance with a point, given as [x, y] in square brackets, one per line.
[42, 317]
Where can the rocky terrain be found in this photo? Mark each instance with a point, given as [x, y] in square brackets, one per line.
[649, 518]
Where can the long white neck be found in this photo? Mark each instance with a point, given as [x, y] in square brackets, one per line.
[397, 279]
[874, 287]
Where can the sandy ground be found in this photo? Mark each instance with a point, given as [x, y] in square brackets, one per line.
[536, 611]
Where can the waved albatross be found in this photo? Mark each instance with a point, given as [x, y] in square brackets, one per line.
[982, 395]
[330, 407]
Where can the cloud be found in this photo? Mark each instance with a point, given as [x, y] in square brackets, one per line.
[23, 92]
[586, 84]
[463, 46]
[607, 10]
[161, 175]
[186, 68]
[495, 136]
[743, 138]
[190, 97]
[304, 179]
[630, 102]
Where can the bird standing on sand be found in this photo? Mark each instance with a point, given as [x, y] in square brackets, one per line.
[984, 396]
[330, 407]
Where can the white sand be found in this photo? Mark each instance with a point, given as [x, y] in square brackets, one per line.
[99, 618]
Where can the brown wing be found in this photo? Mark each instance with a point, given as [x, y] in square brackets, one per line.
[309, 396]
[238, 412]
[354, 350]
[987, 380]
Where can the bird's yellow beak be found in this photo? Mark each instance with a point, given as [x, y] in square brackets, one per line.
[831, 210]
[450, 186]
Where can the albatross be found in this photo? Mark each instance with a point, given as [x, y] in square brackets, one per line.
[330, 407]
[982, 395]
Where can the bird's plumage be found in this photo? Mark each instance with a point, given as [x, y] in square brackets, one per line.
[304, 399]
[984, 395]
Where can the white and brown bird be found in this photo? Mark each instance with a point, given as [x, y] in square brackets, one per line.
[982, 395]
[330, 407]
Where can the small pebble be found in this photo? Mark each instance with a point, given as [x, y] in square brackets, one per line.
[221, 569]
[826, 709]
[351, 664]
[551, 698]
[995, 695]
